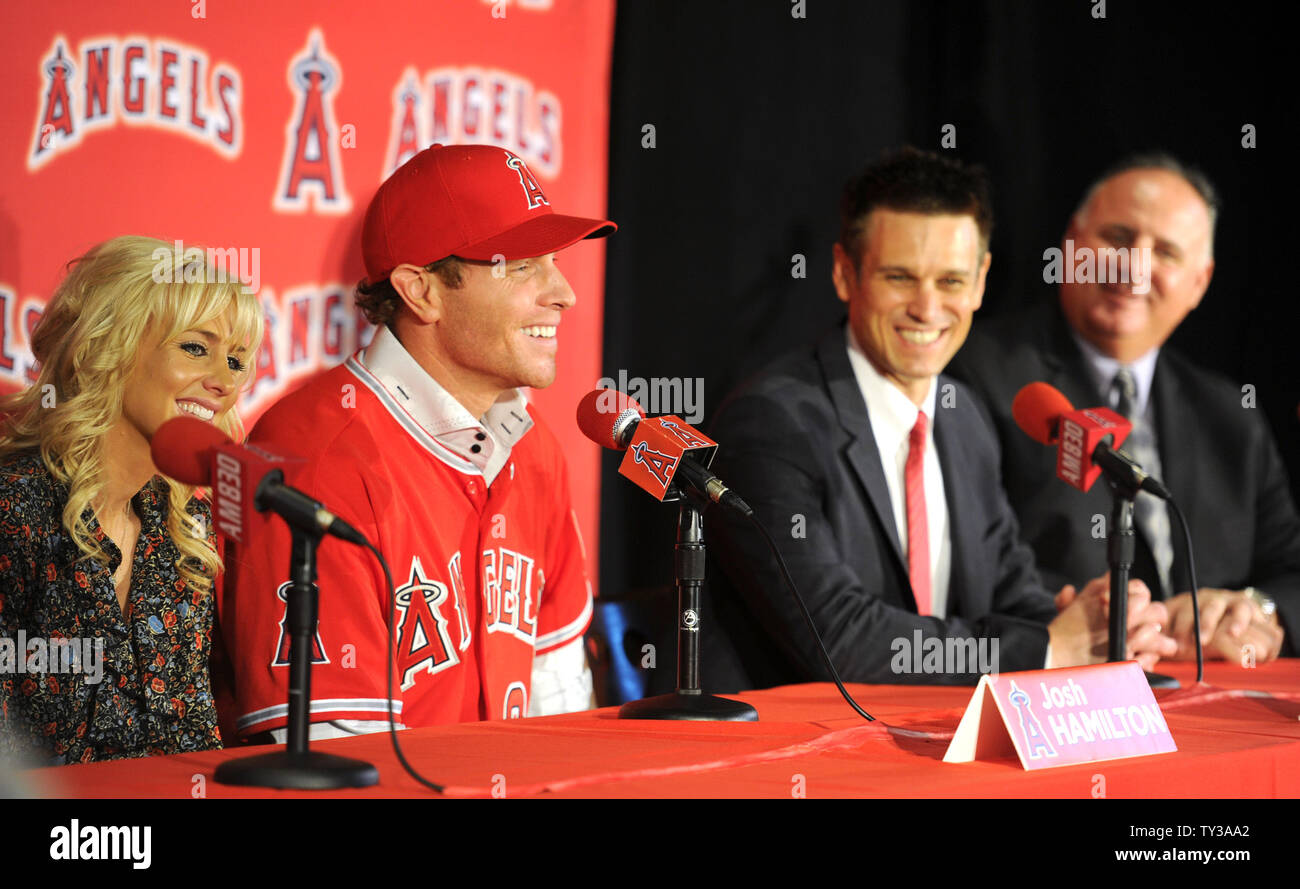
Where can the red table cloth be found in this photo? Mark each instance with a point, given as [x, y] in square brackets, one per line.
[1238, 735]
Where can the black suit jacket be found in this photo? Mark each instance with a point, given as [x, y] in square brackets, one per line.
[1217, 456]
[796, 442]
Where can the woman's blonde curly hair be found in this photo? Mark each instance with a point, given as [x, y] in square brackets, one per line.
[123, 293]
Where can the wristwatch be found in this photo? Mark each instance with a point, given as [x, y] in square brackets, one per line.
[1265, 602]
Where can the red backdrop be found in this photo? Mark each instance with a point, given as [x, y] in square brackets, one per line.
[265, 129]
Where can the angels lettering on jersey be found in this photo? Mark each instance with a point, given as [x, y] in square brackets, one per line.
[428, 610]
[423, 643]
[512, 588]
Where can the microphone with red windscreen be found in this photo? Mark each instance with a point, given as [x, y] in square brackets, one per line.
[1037, 410]
[659, 449]
[243, 478]
[608, 417]
[1087, 439]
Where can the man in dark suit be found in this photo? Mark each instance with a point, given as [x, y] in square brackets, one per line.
[878, 478]
[1102, 343]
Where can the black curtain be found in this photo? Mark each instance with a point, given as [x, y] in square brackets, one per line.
[759, 116]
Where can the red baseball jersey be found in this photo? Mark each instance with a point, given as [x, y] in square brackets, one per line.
[486, 576]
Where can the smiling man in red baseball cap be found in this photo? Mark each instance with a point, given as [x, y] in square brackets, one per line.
[424, 441]
[495, 318]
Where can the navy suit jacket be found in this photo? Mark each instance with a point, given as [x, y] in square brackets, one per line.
[1217, 455]
[796, 443]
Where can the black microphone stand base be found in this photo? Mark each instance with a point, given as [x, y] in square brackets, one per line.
[1160, 680]
[697, 707]
[308, 770]
[295, 767]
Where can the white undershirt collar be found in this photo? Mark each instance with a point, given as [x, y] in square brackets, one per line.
[441, 415]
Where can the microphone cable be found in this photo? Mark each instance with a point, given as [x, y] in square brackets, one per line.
[1196, 602]
[392, 720]
[807, 617]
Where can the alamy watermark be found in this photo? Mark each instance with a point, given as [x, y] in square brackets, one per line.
[210, 265]
[683, 396]
[1109, 265]
[935, 656]
[90, 842]
[38, 656]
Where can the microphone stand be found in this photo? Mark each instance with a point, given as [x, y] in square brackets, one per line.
[297, 767]
[689, 702]
[1120, 547]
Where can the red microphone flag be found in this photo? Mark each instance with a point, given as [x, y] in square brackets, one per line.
[197, 453]
[1044, 414]
[655, 447]
[656, 450]
[1081, 432]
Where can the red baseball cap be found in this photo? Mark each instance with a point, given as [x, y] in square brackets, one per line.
[471, 201]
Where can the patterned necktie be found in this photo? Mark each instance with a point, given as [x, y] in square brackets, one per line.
[1151, 515]
[918, 529]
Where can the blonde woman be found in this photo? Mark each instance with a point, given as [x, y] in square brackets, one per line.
[107, 567]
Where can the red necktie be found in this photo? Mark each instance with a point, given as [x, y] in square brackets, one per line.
[918, 531]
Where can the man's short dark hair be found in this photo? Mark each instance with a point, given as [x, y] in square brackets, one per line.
[914, 181]
[1159, 160]
[380, 300]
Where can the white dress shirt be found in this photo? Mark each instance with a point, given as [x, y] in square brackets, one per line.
[892, 417]
[1103, 368]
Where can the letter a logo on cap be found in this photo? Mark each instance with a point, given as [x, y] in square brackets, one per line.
[532, 190]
